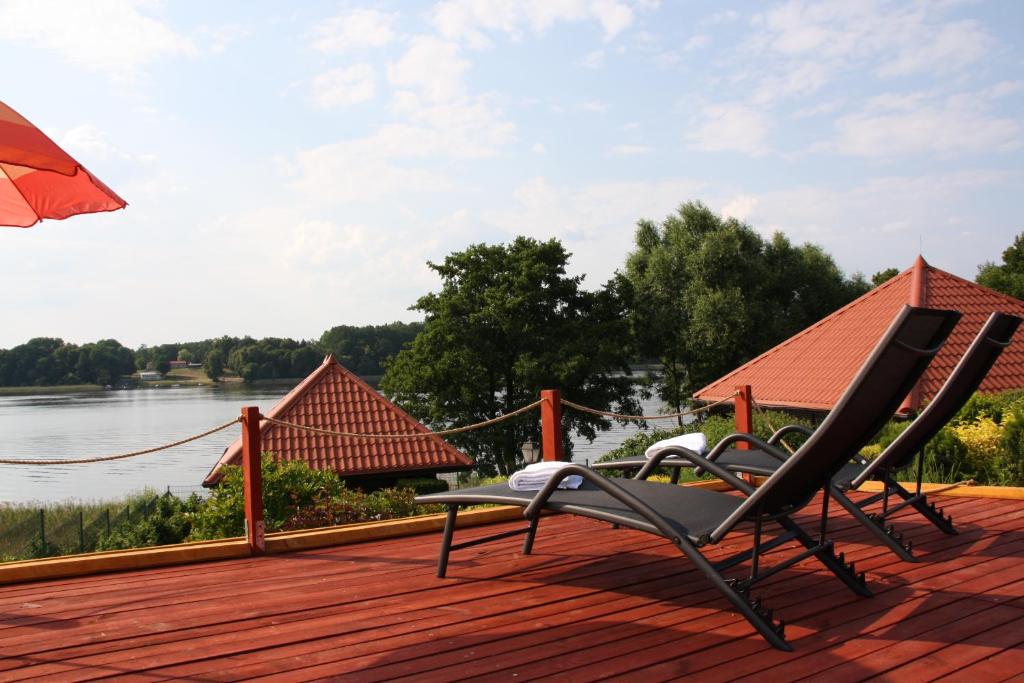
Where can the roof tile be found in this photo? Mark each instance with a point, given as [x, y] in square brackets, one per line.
[811, 369]
[334, 398]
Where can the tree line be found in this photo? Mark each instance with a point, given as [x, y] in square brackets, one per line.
[699, 294]
[48, 361]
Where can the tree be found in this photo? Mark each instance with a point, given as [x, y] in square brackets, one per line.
[507, 323]
[883, 276]
[710, 293]
[213, 364]
[1007, 278]
[185, 355]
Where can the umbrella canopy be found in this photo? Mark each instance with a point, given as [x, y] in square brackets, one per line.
[40, 180]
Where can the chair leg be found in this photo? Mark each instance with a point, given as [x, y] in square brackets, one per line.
[758, 616]
[877, 526]
[837, 564]
[446, 541]
[928, 510]
[531, 534]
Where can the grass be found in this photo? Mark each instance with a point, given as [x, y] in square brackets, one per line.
[69, 527]
[59, 389]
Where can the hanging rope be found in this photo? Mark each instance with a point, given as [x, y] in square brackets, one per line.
[419, 435]
[121, 456]
[619, 416]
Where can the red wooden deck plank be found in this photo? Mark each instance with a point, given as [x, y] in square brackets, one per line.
[374, 611]
[561, 642]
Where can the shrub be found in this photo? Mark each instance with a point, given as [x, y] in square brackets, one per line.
[351, 506]
[423, 485]
[1011, 466]
[286, 488]
[168, 521]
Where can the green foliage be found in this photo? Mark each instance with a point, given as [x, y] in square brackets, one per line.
[1011, 465]
[48, 361]
[884, 276]
[168, 521]
[1007, 277]
[993, 405]
[287, 487]
[423, 485]
[365, 349]
[710, 293]
[507, 323]
[213, 364]
[273, 358]
[350, 506]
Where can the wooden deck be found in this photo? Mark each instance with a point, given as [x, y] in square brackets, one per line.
[592, 603]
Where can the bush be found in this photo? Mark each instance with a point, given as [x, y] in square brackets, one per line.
[287, 487]
[168, 521]
[351, 506]
[423, 485]
[1012, 459]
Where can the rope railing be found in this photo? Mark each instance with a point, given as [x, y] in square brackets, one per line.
[120, 456]
[667, 416]
[416, 435]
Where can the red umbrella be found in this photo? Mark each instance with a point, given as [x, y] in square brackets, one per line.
[40, 180]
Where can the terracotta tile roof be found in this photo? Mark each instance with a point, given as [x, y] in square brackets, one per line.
[334, 398]
[811, 369]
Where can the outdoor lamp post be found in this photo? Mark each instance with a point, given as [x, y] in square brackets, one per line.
[530, 451]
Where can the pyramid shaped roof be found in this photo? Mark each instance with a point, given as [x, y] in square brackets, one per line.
[334, 398]
[811, 369]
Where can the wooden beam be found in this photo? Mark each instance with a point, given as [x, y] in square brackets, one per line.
[551, 425]
[255, 528]
[744, 414]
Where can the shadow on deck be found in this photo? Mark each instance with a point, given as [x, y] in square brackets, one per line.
[592, 603]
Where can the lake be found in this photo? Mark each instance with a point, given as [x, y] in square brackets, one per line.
[82, 425]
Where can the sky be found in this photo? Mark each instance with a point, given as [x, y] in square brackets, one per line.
[290, 167]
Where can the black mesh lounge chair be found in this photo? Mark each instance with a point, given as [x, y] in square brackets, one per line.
[994, 336]
[692, 518]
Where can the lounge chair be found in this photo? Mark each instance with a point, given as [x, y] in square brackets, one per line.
[994, 336]
[692, 518]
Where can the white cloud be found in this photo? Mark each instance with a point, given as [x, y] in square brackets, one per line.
[593, 106]
[629, 150]
[901, 38]
[741, 207]
[697, 42]
[731, 127]
[879, 222]
[355, 29]
[950, 47]
[538, 148]
[118, 37]
[432, 67]
[596, 221]
[88, 141]
[344, 86]
[469, 21]
[593, 60]
[917, 124]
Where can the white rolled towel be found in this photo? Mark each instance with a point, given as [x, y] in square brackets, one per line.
[533, 477]
[695, 441]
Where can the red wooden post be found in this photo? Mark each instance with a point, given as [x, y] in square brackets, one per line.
[255, 529]
[551, 424]
[744, 414]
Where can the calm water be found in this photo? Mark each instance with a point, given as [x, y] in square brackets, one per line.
[83, 425]
[63, 426]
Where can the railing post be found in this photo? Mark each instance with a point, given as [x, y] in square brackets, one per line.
[551, 424]
[744, 414]
[253, 481]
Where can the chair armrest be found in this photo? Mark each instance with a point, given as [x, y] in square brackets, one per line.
[700, 462]
[768, 448]
[788, 429]
[533, 510]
